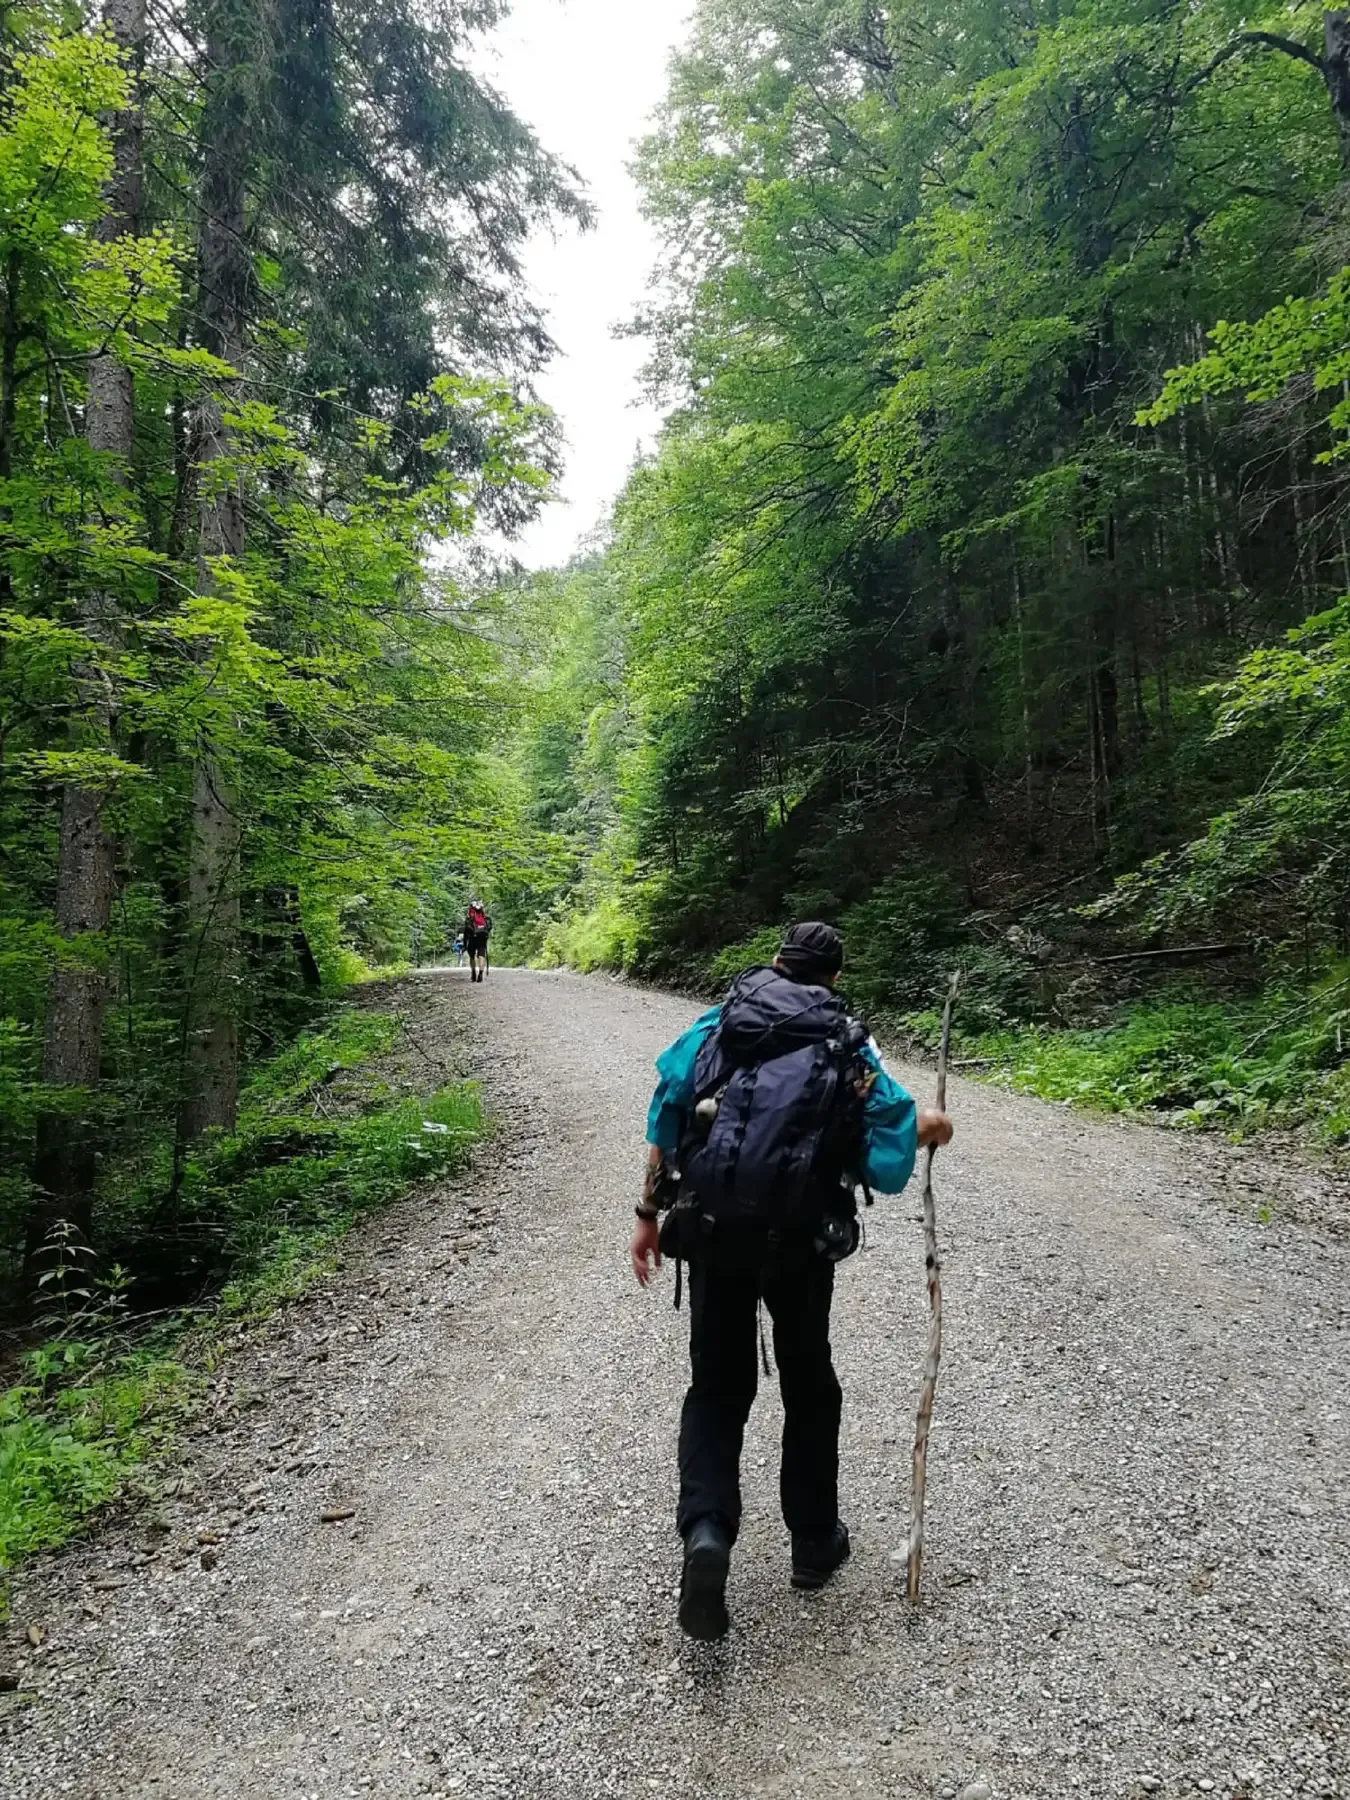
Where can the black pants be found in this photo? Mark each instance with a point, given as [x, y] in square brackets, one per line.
[724, 1292]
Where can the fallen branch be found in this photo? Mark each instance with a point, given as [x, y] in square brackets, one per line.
[933, 1358]
[1178, 950]
[417, 1045]
[1296, 1012]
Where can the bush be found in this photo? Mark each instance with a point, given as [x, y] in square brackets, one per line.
[49, 1480]
[1275, 1061]
[750, 952]
[903, 943]
[283, 1178]
[351, 1038]
[67, 1450]
[608, 936]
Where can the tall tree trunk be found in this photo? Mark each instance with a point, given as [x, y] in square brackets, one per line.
[11, 333]
[1093, 804]
[1028, 784]
[65, 1160]
[1302, 553]
[1108, 711]
[211, 1059]
[310, 972]
[1137, 685]
[1336, 71]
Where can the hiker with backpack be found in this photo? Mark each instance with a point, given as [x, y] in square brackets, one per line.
[769, 1113]
[477, 930]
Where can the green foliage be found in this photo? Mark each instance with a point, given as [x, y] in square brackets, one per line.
[323, 1142]
[67, 1447]
[1303, 336]
[55, 158]
[292, 1178]
[1278, 860]
[942, 608]
[322, 1139]
[49, 1480]
[903, 960]
[897, 939]
[751, 952]
[295, 1075]
[606, 937]
[1263, 1064]
[339, 685]
[895, 582]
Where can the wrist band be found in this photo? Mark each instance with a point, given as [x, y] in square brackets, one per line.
[649, 1213]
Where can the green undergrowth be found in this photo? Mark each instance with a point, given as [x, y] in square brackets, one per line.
[326, 1137]
[1278, 1062]
[76, 1431]
[604, 936]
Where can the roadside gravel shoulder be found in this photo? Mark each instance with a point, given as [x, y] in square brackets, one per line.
[1138, 1570]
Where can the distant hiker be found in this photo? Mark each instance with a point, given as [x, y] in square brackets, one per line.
[477, 931]
[769, 1112]
[459, 951]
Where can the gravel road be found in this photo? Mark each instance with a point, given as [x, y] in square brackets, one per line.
[1138, 1565]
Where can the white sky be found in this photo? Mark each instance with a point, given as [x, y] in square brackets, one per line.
[587, 74]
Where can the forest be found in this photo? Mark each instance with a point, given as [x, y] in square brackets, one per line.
[265, 363]
[988, 592]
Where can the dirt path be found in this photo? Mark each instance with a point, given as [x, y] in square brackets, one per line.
[1138, 1574]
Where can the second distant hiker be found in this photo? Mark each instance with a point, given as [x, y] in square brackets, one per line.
[769, 1112]
[477, 930]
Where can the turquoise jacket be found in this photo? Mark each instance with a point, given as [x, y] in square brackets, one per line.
[889, 1120]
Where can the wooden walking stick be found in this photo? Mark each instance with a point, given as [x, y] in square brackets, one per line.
[934, 1356]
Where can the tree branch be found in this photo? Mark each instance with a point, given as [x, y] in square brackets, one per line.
[1269, 40]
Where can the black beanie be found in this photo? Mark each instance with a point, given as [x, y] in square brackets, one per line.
[811, 953]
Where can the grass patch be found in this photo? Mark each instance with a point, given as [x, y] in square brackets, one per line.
[71, 1439]
[1278, 1062]
[290, 1079]
[323, 1142]
[287, 1182]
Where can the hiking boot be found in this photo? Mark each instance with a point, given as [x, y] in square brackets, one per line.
[703, 1585]
[815, 1559]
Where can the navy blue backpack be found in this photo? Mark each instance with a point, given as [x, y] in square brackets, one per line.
[775, 1144]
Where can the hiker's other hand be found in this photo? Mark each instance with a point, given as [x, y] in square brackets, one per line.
[646, 1250]
[934, 1128]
